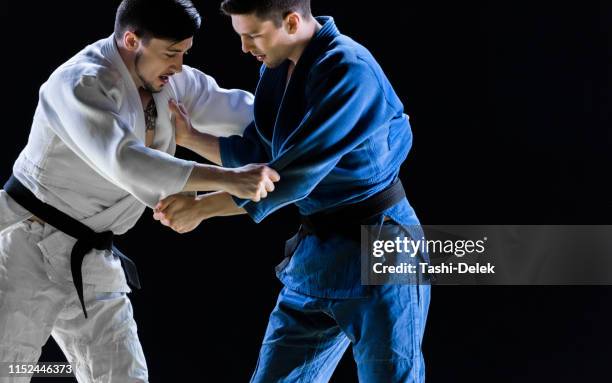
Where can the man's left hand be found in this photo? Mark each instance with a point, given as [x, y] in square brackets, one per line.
[181, 213]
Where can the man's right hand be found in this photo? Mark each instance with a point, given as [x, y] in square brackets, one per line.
[183, 130]
[253, 181]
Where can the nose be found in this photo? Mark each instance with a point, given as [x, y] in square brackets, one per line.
[246, 44]
[177, 65]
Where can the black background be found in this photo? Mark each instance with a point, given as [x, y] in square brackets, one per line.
[510, 109]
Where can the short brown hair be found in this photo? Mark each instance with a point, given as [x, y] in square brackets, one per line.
[274, 10]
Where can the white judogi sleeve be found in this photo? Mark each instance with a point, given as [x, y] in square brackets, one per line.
[85, 111]
[213, 110]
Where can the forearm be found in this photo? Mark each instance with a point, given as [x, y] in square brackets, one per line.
[253, 181]
[218, 204]
[204, 144]
[206, 178]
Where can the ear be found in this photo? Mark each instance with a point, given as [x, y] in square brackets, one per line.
[292, 22]
[131, 41]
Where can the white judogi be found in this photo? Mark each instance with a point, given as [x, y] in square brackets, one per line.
[86, 157]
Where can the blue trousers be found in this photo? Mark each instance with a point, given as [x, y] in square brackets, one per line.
[307, 336]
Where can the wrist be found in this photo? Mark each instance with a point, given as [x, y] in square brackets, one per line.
[203, 207]
[223, 178]
[183, 139]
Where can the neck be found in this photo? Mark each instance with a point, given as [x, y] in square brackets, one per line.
[129, 59]
[310, 28]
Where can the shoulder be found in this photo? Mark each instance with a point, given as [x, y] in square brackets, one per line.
[190, 75]
[88, 71]
[347, 58]
[348, 66]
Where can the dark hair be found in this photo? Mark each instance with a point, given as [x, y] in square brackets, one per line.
[174, 20]
[274, 10]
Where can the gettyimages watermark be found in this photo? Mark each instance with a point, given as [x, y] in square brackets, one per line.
[486, 254]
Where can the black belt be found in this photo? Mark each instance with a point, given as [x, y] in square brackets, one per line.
[87, 239]
[346, 220]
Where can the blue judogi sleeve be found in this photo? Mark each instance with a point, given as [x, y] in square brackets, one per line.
[345, 103]
[238, 151]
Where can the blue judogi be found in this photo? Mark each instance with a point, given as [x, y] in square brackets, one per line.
[337, 134]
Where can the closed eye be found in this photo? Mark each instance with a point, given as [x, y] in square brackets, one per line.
[170, 55]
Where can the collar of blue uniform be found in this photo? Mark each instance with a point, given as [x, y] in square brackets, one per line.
[328, 29]
[319, 41]
[267, 93]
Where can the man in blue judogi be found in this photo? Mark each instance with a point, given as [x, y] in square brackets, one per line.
[328, 120]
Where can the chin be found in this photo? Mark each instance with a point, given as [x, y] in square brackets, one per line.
[153, 88]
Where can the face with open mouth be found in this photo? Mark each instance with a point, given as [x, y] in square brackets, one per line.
[158, 61]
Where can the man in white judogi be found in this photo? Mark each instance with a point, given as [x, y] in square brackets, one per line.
[100, 150]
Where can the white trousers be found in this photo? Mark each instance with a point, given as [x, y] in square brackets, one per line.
[37, 301]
